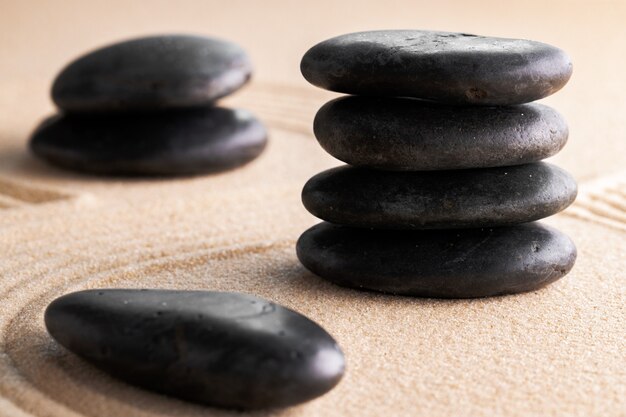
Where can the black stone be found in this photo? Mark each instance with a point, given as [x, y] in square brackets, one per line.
[439, 199]
[454, 68]
[464, 263]
[414, 135]
[182, 142]
[222, 349]
[152, 73]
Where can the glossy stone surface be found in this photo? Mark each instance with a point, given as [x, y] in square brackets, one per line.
[222, 349]
[416, 135]
[183, 142]
[438, 199]
[455, 68]
[464, 263]
[152, 73]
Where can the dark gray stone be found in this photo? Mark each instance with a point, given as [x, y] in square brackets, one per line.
[414, 135]
[454, 68]
[462, 263]
[439, 199]
[182, 142]
[222, 349]
[152, 73]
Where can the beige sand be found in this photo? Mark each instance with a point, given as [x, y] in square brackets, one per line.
[556, 352]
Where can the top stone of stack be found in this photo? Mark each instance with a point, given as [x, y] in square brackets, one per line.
[152, 73]
[452, 68]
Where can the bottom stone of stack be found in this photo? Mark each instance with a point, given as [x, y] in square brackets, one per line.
[452, 263]
[174, 142]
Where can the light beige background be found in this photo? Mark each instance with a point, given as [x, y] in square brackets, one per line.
[556, 352]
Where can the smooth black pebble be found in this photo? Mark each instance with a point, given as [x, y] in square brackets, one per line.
[464, 263]
[415, 135]
[222, 349]
[181, 142]
[152, 73]
[439, 199]
[455, 68]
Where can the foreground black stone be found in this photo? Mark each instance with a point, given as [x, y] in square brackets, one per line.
[222, 349]
[152, 73]
[182, 142]
[455, 68]
[415, 135]
[439, 199]
[463, 263]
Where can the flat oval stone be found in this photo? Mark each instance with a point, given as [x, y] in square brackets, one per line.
[455, 68]
[439, 199]
[415, 135]
[463, 263]
[182, 142]
[222, 349]
[152, 73]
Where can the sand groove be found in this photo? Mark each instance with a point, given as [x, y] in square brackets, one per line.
[14, 193]
[602, 201]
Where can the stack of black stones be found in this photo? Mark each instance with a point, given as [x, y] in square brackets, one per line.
[444, 184]
[147, 107]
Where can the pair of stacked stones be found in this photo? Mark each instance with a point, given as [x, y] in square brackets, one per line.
[444, 184]
[147, 107]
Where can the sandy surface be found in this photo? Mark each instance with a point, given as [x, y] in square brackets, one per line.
[559, 351]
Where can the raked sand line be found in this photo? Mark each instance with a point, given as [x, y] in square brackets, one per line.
[18, 327]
